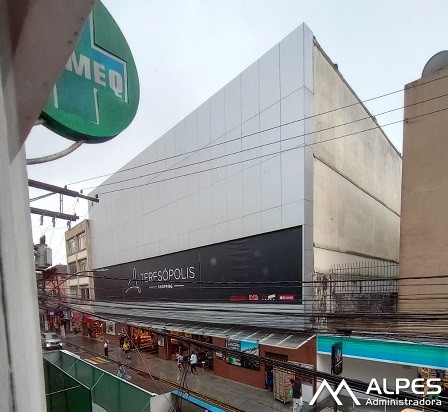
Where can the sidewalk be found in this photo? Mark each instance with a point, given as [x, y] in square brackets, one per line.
[233, 393]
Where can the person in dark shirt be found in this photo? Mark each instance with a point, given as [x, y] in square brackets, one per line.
[296, 395]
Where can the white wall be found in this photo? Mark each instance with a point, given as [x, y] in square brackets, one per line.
[241, 187]
[357, 178]
[21, 371]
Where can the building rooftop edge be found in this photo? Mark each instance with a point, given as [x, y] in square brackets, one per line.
[316, 43]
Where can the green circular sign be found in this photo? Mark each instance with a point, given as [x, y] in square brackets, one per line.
[96, 96]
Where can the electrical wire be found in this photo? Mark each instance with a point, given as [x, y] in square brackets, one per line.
[359, 102]
[354, 384]
[270, 155]
[149, 373]
[103, 308]
[316, 142]
[73, 207]
[300, 282]
[183, 385]
[158, 173]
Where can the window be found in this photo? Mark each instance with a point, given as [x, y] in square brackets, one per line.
[72, 268]
[73, 291]
[85, 293]
[277, 356]
[82, 241]
[71, 246]
[83, 265]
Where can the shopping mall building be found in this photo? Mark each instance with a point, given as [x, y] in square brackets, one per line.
[218, 228]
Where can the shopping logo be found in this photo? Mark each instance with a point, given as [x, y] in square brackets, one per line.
[134, 279]
[335, 393]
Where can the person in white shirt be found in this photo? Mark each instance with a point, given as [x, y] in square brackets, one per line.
[106, 348]
[180, 360]
[193, 362]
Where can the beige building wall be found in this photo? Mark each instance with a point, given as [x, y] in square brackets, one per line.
[424, 230]
[78, 282]
[357, 176]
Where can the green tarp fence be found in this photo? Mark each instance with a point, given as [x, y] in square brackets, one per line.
[74, 385]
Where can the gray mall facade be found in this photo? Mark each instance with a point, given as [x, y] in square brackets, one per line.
[279, 175]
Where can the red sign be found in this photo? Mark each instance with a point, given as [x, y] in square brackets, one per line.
[286, 297]
[237, 298]
[87, 319]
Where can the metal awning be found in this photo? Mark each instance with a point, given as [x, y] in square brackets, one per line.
[212, 320]
[281, 340]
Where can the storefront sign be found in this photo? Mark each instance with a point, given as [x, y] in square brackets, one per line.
[87, 319]
[404, 353]
[248, 265]
[96, 96]
[110, 327]
[336, 358]
[250, 348]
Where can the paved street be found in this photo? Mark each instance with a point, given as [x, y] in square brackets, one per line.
[237, 394]
[242, 396]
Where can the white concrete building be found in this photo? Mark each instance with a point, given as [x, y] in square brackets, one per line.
[267, 152]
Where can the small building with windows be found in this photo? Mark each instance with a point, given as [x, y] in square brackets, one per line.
[79, 262]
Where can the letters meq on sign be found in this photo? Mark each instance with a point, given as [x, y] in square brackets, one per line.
[96, 96]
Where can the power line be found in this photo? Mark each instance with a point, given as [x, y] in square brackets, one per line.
[204, 397]
[386, 319]
[285, 124]
[149, 373]
[312, 282]
[354, 384]
[270, 155]
[261, 145]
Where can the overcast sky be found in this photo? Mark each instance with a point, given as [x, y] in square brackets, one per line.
[187, 50]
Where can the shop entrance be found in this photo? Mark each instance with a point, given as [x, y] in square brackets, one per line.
[205, 357]
[144, 340]
[93, 328]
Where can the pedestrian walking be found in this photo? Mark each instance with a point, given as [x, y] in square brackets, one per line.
[139, 341]
[193, 362]
[127, 349]
[106, 348]
[180, 360]
[122, 373]
[296, 395]
[121, 341]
